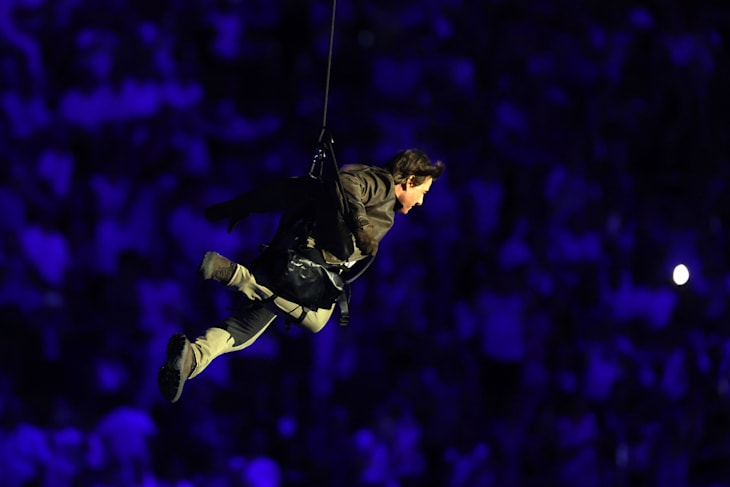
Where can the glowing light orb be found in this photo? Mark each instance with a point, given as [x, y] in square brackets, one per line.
[680, 275]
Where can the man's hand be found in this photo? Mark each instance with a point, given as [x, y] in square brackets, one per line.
[219, 211]
[365, 240]
[231, 209]
[233, 221]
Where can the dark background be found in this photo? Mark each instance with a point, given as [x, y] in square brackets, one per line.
[521, 328]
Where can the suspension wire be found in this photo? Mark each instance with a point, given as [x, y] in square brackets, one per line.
[324, 146]
[317, 169]
[329, 69]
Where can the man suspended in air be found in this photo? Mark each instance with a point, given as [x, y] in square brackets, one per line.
[331, 226]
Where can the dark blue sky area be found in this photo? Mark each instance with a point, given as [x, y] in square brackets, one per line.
[521, 328]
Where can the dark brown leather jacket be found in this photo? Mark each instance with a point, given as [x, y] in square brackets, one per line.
[369, 191]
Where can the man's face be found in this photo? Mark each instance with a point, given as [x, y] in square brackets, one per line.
[410, 195]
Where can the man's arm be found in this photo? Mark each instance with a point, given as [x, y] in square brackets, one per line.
[280, 195]
[360, 188]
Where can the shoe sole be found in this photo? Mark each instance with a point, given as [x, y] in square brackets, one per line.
[222, 272]
[170, 379]
[206, 265]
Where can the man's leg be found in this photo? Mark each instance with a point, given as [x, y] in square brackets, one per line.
[186, 360]
[308, 319]
[217, 267]
[233, 334]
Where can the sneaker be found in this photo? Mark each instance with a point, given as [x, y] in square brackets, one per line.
[215, 266]
[177, 368]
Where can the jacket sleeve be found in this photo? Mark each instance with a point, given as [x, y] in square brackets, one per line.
[279, 195]
[360, 188]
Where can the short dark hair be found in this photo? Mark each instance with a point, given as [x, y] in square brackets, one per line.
[413, 162]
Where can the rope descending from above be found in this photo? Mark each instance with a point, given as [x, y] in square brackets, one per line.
[325, 142]
[329, 69]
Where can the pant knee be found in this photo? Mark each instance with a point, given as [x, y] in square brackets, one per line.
[315, 320]
[313, 326]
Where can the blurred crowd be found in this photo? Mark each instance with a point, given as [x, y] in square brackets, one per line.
[522, 328]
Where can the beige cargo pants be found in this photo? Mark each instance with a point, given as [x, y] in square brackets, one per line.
[243, 327]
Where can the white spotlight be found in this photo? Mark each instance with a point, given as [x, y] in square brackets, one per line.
[680, 275]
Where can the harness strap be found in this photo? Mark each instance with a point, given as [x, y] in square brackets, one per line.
[343, 301]
[268, 303]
